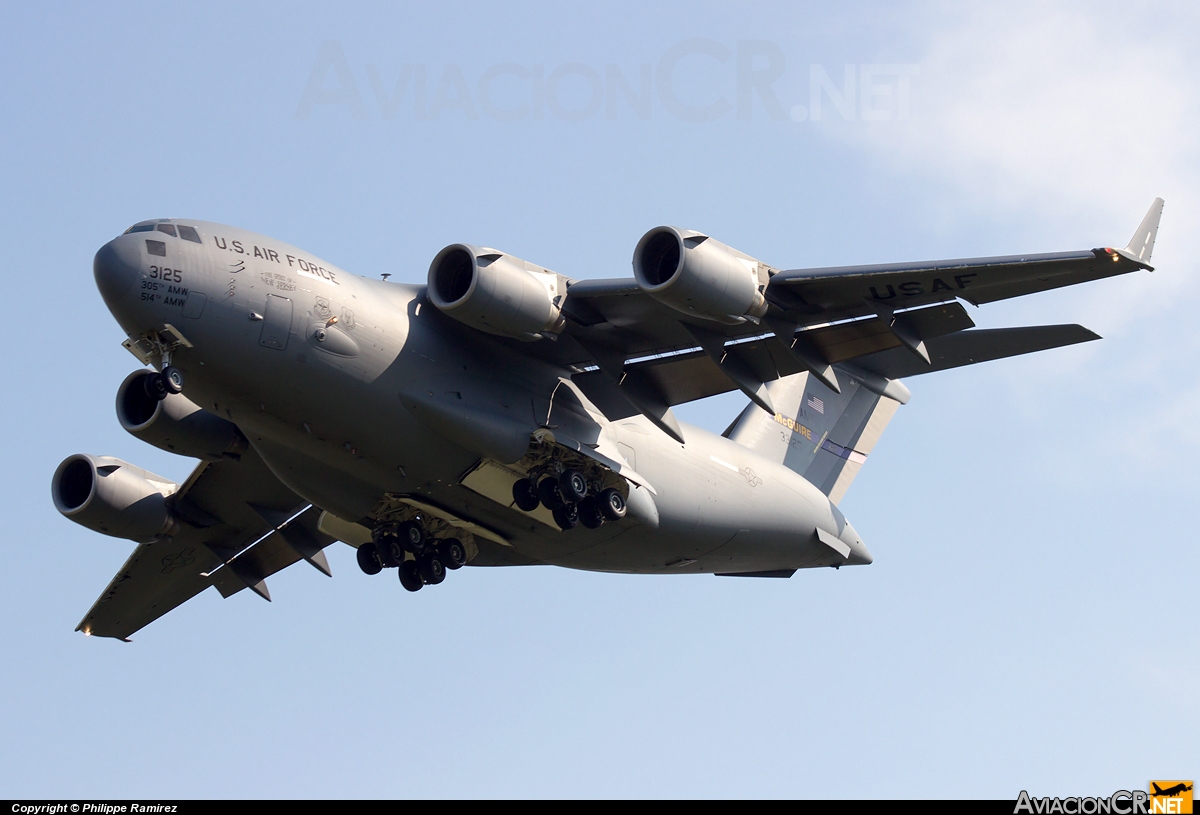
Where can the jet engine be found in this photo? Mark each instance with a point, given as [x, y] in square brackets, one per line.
[112, 496]
[496, 293]
[175, 424]
[699, 276]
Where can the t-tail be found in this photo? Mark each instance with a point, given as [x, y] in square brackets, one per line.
[822, 435]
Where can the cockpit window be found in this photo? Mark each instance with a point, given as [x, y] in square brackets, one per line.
[140, 228]
[189, 234]
[168, 228]
[156, 248]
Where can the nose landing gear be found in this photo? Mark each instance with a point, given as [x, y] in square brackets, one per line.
[163, 342]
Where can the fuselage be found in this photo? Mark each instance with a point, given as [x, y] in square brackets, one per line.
[313, 363]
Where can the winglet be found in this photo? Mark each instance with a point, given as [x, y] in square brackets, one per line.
[1141, 245]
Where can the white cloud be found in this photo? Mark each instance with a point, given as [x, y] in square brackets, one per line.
[1060, 105]
[1079, 114]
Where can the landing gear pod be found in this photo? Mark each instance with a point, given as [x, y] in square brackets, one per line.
[699, 276]
[496, 293]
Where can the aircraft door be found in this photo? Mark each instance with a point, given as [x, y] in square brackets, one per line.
[277, 323]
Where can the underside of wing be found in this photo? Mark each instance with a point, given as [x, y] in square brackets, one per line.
[236, 524]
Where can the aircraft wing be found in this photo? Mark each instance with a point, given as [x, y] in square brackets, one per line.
[238, 525]
[637, 355]
[618, 314]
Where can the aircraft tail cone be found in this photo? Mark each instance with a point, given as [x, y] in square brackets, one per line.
[859, 556]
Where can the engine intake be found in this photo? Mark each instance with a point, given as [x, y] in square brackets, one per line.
[496, 293]
[175, 424]
[699, 276]
[114, 497]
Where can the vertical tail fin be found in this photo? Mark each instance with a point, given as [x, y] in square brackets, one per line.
[823, 435]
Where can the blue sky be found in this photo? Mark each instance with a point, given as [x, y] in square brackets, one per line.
[1030, 618]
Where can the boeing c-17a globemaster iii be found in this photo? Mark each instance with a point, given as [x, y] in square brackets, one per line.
[505, 414]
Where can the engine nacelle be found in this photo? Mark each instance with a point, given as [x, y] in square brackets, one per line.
[175, 424]
[699, 276]
[496, 293]
[114, 497]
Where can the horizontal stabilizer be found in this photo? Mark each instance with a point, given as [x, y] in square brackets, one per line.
[970, 347]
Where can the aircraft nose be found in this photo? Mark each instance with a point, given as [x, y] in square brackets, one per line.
[116, 270]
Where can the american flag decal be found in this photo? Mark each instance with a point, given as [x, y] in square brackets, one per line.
[816, 404]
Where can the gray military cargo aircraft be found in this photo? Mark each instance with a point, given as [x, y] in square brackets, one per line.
[507, 415]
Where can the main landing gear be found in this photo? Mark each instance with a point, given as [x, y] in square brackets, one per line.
[568, 498]
[406, 547]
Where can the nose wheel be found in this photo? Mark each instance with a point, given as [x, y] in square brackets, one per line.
[161, 385]
[172, 379]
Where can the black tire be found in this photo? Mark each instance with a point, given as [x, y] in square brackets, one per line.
[452, 553]
[431, 569]
[612, 504]
[567, 516]
[388, 550]
[172, 379]
[590, 514]
[573, 486]
[410, 578]
[155, 387]
[549, 494]
[412, 537]
[524, 495]
[368, 559]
